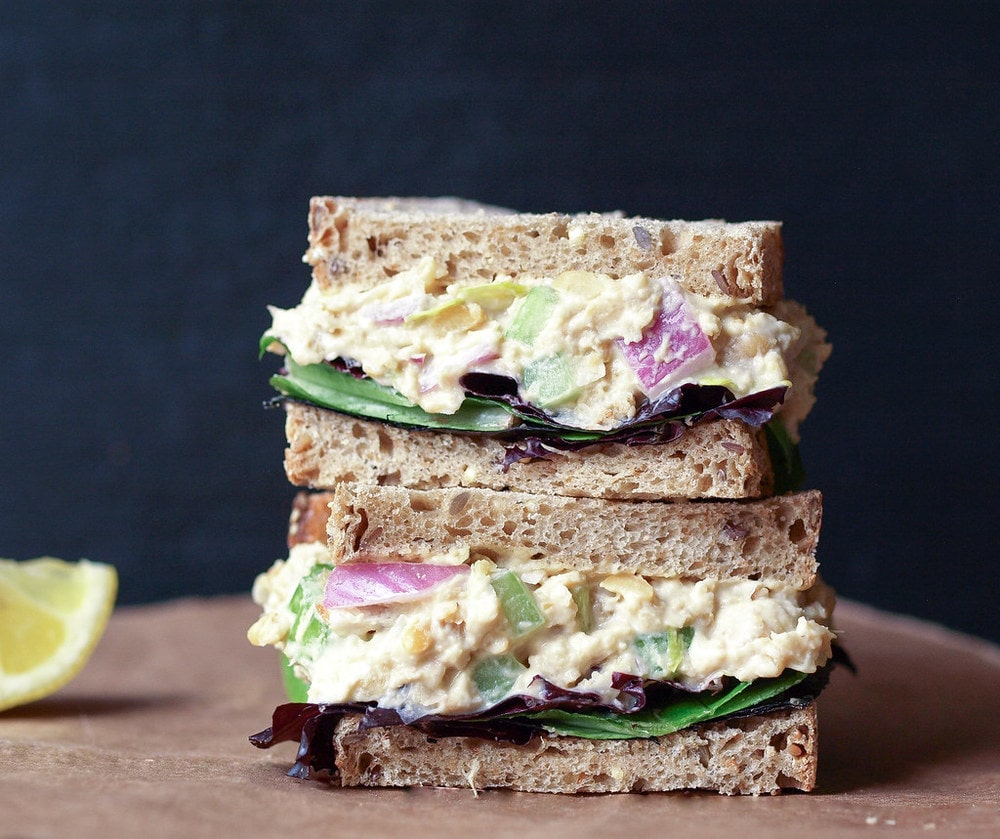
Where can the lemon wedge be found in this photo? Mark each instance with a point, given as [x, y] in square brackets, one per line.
[52, 614]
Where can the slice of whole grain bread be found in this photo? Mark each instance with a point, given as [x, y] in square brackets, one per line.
[750, 755]
[363, 240]
[772, 538]
[719, 459]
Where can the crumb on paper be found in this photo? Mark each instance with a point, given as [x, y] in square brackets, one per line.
[872, 820]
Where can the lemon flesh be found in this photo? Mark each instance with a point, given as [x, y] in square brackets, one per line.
[52, 614]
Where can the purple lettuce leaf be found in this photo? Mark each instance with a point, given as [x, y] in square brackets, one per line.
[655, 422]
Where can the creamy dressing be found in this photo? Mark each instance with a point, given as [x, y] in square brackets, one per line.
[421, 330]
[420, 656]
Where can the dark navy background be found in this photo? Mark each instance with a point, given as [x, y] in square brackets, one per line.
[156, 160]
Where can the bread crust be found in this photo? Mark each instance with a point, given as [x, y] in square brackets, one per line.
[772, 538]
[751, 755]
[718, 459]
[362, 241]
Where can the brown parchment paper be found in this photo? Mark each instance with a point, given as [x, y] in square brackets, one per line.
[151, 740]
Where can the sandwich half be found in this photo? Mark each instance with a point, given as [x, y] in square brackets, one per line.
[502, 639]
[443, 345]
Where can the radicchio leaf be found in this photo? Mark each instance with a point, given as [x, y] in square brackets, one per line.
[688, 402]
[655, 422]
[348, 365]
[495, 408]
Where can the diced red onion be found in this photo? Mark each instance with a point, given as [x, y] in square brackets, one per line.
[373, 583]
[465, 361]
[687, 347]
[428, 379]
[392, 312]
[477, 355]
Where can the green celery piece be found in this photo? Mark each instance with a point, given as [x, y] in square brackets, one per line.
[605, 725]
[493, 297]
[518, 603]
[536, 309]
[296, 689]
[316, 631]
[307, 629]
[434, 311]
[664, 651]
[302, 604]
[495, 675]
[584, 608]
[310, 587]
[549, 380]
[328, 387]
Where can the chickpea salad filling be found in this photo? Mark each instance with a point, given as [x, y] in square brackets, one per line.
[586, 349]
[448, 637]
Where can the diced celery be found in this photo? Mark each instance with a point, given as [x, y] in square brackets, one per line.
[548, 381]
[295, 604]
[584, 609]
[518, 603]
[433, 312]
[663, 652]
[535, 310]
[495, 675]
[307, 626]
[311, 587]
[316, 630]
[494, 297]
[298, 623]
[296, 689]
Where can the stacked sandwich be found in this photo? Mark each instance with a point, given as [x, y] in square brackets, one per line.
[549, 536]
